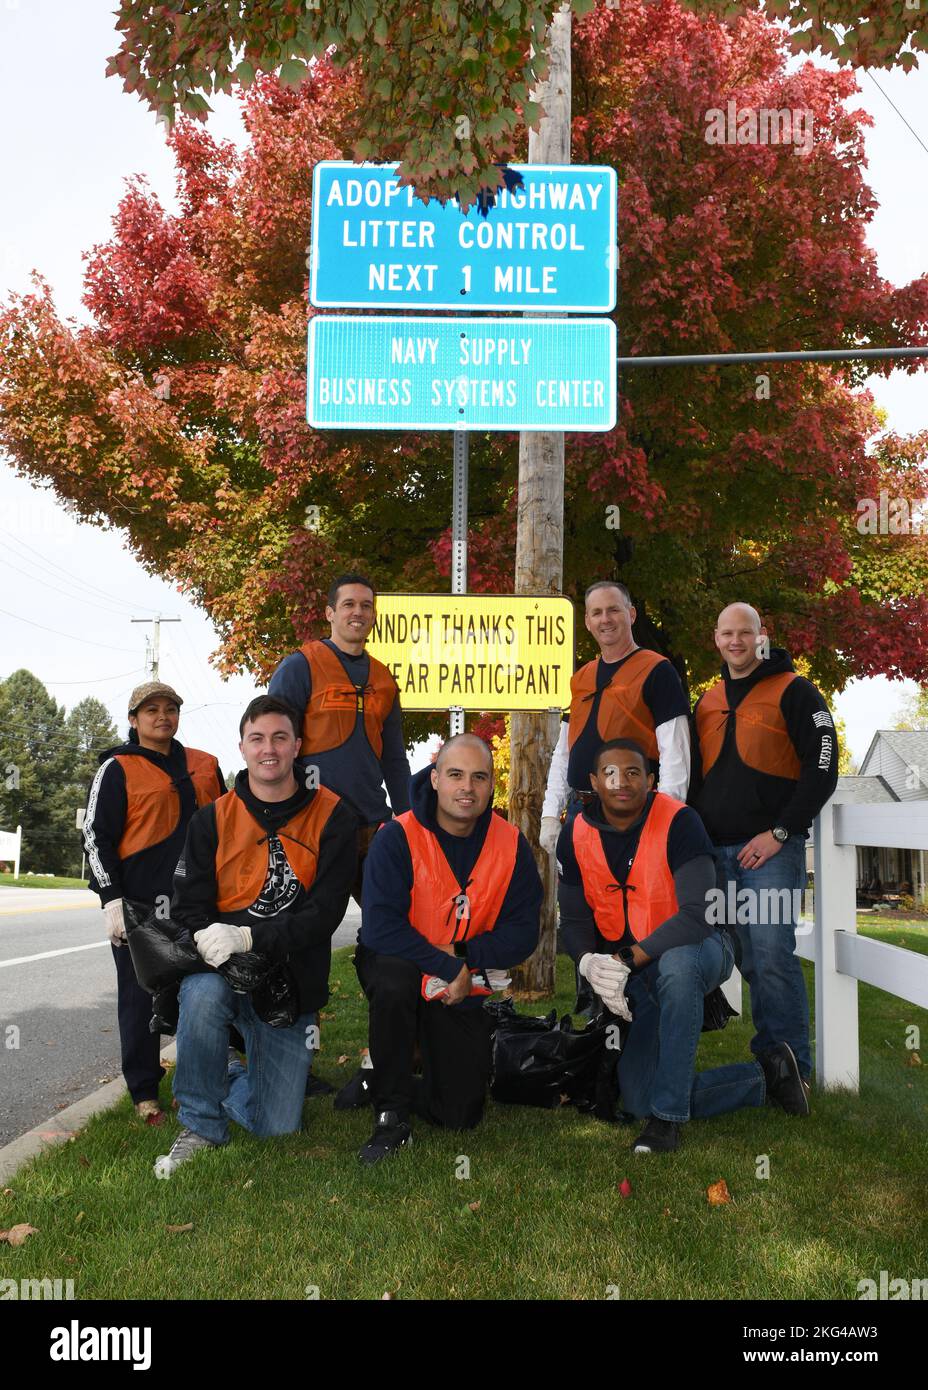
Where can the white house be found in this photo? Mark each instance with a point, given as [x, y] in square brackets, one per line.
[894, 768]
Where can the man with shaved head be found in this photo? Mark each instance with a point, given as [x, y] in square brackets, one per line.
[625, 692]
[765, 763]
[451, 901]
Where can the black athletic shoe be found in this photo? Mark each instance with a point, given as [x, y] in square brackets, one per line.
[315, 1086]
[390, 1135]
[356, 1093]
[658, 1137]
[785, 1086]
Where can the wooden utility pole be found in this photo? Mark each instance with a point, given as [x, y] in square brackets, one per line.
[540, 543]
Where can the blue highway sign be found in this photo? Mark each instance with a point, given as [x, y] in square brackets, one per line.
[439, 373]
[549, 245]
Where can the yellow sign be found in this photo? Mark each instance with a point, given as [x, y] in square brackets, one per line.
[476, 651]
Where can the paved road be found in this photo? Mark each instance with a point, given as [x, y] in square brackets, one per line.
[58, 988]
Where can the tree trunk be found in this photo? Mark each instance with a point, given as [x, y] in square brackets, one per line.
[540, 547]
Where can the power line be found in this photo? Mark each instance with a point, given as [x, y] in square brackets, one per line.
[70, 635]
[37, 579]
[73, 577]
[98, 680]
[896, 109]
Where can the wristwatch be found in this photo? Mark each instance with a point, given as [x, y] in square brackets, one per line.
[779, 832]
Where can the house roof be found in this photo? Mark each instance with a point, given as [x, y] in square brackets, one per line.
[911, 745]
[859, 791]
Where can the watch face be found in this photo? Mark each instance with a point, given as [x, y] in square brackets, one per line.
[781, 834]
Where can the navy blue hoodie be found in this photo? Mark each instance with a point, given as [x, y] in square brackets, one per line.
[385, 924]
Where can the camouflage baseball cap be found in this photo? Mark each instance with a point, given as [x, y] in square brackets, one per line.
[141, 693]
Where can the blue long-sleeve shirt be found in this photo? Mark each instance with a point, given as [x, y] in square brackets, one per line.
[353, 770]
[385, 924]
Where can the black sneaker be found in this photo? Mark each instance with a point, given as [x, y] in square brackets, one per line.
[658, 1137]
[356, 1093]
[785, 1086]
[390, 1135]
[316, 1086]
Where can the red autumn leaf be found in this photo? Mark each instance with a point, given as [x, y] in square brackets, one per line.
[625, 1187]
[717, 1194]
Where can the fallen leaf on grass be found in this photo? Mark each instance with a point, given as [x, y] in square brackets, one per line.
[8, 1192]
[78, 1217]
[914, 1060]
[718, 1194]
[326, 1018]
[18, 1235]
[177, 1230]
[249, 1183]
[332, 1200]
[473, 1206]
[625, 1187]
[386, 1295]
[343, 1059]
[83, 1160]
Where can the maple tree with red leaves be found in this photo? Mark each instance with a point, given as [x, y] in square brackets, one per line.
[178, 413]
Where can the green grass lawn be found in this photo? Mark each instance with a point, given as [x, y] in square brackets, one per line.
[40, 881]
[540, 1216]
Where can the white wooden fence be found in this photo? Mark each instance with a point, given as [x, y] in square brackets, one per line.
[840, 956]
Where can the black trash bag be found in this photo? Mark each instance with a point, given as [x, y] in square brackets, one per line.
[716, 1010]
[165, 1010]
[276, 999]
[540, 1061]
[162, 952]
[245, 971]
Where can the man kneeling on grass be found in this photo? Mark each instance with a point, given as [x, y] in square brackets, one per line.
[635, 871]
[451, 900]
[266, 868]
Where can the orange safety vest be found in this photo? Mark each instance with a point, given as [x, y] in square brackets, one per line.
[649, 893]
[761, 737]
[622, 710]
[333, 705]
[153, 801]
[438, 908]
[242, 853]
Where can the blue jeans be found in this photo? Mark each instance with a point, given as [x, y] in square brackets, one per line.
[267, 1098]
[766, 926]
[657, 1073]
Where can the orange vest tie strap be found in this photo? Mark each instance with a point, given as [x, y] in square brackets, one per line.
[648, 897]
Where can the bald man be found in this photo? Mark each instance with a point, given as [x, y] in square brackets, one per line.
[765, 763]
[451, 901]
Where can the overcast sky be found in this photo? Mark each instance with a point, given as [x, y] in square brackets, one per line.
[68, 591]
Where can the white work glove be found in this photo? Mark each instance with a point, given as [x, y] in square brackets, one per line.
[115, 922]
[498, 979]
[220, 940]
[548, 836]
[606, 976]
[617, 1004]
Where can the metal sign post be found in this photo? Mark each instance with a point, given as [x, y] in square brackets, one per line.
[459, 541]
